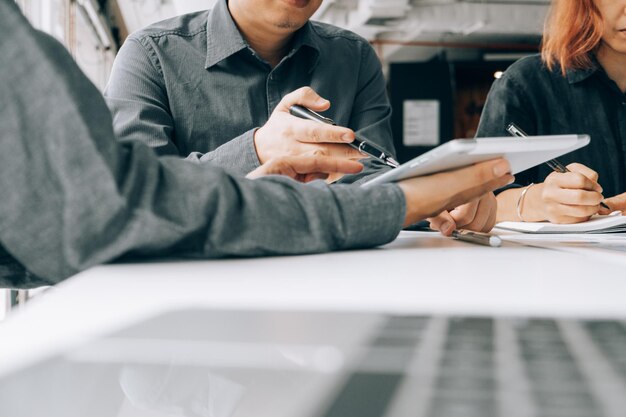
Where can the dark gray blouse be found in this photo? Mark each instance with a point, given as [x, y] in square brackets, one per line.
[545, 102]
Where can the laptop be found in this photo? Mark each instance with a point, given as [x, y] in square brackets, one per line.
[259, 363]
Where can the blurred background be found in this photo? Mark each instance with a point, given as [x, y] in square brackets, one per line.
[439, 56]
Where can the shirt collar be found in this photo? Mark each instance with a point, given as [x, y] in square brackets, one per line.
[224, 39]
[577, 75]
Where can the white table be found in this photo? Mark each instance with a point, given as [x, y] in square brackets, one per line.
[419, 273]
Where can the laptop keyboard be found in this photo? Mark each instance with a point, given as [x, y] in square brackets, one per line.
[483, 367]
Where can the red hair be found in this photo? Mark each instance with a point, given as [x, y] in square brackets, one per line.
[573, 29]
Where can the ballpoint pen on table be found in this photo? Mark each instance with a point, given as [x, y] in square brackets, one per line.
[480, 238]
[364, 146]
[554, 164]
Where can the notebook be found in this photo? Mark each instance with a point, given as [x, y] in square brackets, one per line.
[612, 223]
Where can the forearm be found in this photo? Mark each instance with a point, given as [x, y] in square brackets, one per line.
[530, 206]
[73, 197]
[170, 207]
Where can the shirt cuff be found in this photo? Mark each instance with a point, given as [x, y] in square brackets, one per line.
[371, 169]
[238, 156]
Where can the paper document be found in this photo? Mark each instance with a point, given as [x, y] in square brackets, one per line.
[613, 223]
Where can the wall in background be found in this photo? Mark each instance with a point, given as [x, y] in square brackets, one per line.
[67, 21]
[441, 99]
[421, 99]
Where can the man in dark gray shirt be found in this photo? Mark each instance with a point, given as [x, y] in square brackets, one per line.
[73, 197]
[204, 85]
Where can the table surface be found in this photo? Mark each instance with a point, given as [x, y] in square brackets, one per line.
[418, 273]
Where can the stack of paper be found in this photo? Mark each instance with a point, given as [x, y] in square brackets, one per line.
[613, 223]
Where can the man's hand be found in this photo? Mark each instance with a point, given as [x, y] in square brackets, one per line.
[287, 135]
[478, 215]
[306, 168]
[615, 203]
[430, 195]
[569, 197]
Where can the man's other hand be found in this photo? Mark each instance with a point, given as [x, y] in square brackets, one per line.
[306, 168]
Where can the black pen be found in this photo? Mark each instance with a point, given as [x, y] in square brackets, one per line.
[554, 164]
[364, 146]
[480, 238]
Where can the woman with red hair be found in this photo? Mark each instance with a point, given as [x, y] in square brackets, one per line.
[576, 85]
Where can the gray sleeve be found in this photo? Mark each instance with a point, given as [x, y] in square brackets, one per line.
[137, 97]
[506, 103]
[74, 197]
[371, 113]
[14, 275]
[238, 156]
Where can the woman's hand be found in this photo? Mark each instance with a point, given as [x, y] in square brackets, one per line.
[570, 197]
[615, 203]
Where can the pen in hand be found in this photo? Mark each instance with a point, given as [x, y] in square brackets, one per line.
[554, 164]
[364, 146]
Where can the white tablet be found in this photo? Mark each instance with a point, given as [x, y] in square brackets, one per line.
[522, 153]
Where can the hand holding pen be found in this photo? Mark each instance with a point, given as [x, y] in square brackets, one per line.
[283, 135]
[570, 198]
[362, 145]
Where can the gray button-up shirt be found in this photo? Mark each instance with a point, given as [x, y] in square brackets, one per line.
[192, 86]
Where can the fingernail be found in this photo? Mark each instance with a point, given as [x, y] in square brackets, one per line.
[501, 168]
[445, 227]
[347, 137]
[321, 101]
